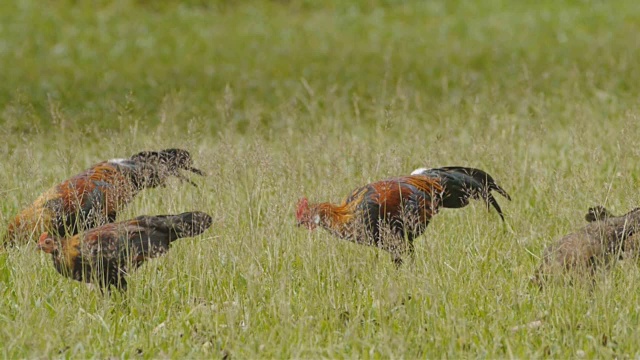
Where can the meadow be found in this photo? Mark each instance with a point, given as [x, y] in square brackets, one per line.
[282, 99]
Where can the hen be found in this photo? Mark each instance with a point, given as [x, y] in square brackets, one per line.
[104, 255]
[384, 213]
[95, 196]
[606, 238]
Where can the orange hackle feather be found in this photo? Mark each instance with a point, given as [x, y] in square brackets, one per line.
[335, 217]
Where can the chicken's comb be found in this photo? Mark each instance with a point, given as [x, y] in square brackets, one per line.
[303, 206]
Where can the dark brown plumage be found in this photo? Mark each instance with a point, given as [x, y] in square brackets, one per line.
[95, 196]
[104, 255]
[606, 238]
[386, 212]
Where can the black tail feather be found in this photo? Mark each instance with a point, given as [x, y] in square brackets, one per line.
[481, 176]
[186, 179]
[195, 171]
[183, 225]
[462, 183]
[152, 168]
[173, 159]
[191, 223]
[491, 200]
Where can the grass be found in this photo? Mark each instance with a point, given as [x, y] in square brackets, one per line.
[279, 99]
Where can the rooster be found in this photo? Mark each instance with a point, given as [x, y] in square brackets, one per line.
[104, 255]
[95, 196]
[605, 239]
[383, 213]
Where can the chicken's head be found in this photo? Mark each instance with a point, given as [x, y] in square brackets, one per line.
[47, 243]
[307, 215]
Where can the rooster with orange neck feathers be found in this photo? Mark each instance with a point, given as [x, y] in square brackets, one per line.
[95, 196]
[385, 212]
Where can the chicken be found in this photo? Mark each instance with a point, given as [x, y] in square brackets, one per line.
[606, 238]
[599, 213]
[104, 255]
[383, 213]
[95, 196]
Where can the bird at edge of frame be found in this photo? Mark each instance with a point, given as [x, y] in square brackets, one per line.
[391, 213]
[605, 239]
[95, 196]
[105, 255]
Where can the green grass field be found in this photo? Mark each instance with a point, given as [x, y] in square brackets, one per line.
[280, 99]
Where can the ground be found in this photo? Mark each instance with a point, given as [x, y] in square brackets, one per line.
[280, 99]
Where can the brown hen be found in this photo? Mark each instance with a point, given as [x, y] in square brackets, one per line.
[605, 239]
[104, 255]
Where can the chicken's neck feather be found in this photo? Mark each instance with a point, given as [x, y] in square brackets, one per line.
[338, 219]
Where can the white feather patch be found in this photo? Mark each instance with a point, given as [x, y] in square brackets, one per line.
[118, 161]
[419, 171]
